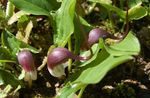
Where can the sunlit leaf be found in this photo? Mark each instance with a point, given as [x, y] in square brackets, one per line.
[69, 89]
[102, 1]
[36, 7]
[110, 7]
[64, 22]
[98, 68]
[132, 3]
[94, 70]
[129, 46]
[137, 12]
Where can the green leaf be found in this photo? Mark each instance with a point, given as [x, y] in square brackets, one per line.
[129, 46]
[93, 72]
[5, 55]
[137, 12]
[7, 78]
[102, 1]
[110, 7]
[132, 3]
[97, 67]
[36, 7]
[96, 70]
[14, 45]
[95, 48]
[64, 22]
[118, 52]
[69, 89]
[82, 21]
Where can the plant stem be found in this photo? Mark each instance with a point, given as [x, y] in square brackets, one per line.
[81, 92]
[43, 64]
[127, 20]
[123, 26]
[9, 10]
[70, 49]
[30, 82]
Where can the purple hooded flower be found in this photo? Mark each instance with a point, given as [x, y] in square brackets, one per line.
[26, 60]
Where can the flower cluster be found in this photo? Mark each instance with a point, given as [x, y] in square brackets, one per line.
[57, 58]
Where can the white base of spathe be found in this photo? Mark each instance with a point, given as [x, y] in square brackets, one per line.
[57, 71]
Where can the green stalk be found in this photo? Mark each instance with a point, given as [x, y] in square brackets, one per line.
[9, 10]
[123, 26]
[126, 20]
[81, 91]
[70, 49]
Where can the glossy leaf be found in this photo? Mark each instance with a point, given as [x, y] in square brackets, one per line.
[64, 22]
[36, 7]
[102, 1]
[129, 46]
[8, 78]
[132, 3]
[14, 45]
[110, 7]
[96, 70]
[69, 89]
[101, 64]
[137, 12]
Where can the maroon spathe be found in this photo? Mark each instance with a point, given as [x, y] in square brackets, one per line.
[25, 59]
